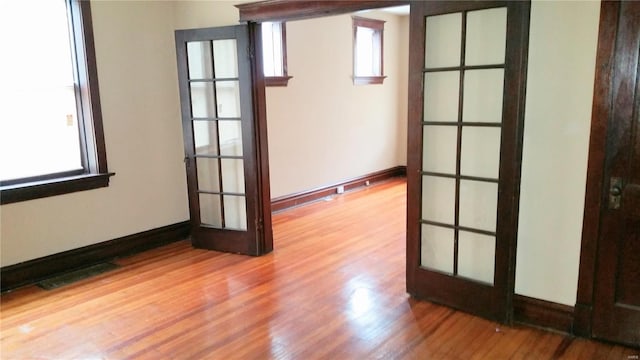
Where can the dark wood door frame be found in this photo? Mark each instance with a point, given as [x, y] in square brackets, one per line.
[262, 147]
[594, 198]
[282, 10]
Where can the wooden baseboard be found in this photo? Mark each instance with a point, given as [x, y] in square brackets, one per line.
[32, 271]
[544, 314]
[287, 201]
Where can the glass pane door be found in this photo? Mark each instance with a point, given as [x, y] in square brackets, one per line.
[217, 116]
[459, 180]
[462, 117]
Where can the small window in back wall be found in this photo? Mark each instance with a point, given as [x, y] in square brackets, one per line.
[367, 51]
[274, 53]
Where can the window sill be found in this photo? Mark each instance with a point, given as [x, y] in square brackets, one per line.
[277, 80]
[45, 188]
[368, 80]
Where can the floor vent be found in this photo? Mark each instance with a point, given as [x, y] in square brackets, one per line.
[74, 276]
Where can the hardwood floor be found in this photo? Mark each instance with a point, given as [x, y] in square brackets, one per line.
[334, 288]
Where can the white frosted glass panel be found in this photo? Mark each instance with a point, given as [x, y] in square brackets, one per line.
[235, 212]
[441, 90]
[476, 256]
[202, 100]
[438, 199]
[205, 137]
[436, 248]
[478, 204]
[439, 149]
[199, 59]
[483, 90]
[230, 138]
[228, 96]
[486, 36]
[232, 175]
[443, 40]
[480, 152]
[208, 179]
[225, 58]
[210, 210]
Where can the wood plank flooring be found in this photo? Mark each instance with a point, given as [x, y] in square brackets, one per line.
[334, 288]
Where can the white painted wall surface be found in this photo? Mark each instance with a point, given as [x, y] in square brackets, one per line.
[562, 49]
[324, 129]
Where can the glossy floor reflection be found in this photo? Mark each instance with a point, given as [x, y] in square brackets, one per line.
[334, 288]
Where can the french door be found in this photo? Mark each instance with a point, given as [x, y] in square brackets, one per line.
[466, 105]
[216, 78]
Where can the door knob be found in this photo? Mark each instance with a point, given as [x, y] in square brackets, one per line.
[615, 193]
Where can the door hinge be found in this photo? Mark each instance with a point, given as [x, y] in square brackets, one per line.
[186, 161]
[250, 52]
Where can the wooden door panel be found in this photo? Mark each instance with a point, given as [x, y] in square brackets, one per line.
[616, 312]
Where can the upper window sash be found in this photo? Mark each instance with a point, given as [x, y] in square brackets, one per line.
[274, 53]
[368, 36]
[92, 171]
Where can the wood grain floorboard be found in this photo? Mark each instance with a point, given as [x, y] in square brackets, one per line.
[334, 288]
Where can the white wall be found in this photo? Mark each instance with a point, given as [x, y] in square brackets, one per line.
[138, 89]
[322, 128]
[562, 49]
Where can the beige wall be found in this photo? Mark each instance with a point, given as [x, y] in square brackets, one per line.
[205, 13]
[322, 128]
[562, 50]
[139, 95]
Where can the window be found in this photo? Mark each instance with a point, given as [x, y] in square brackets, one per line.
[274, 53]
[367, 51]
[51, 139]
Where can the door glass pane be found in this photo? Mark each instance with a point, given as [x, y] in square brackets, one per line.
[232, 175]
[443, 40]
[441, 96]
[438, 199]
[225, 58]
[208, 179]
[205, 137]
[486, 36]
[235, 212]
[439, 144]
[480, 152]
[476, 256]
[436, 250]
[478, 204]
[483, 91]
[199, 60]
[230, 138]
[210, 210]
[202, 100]
[228, 97]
